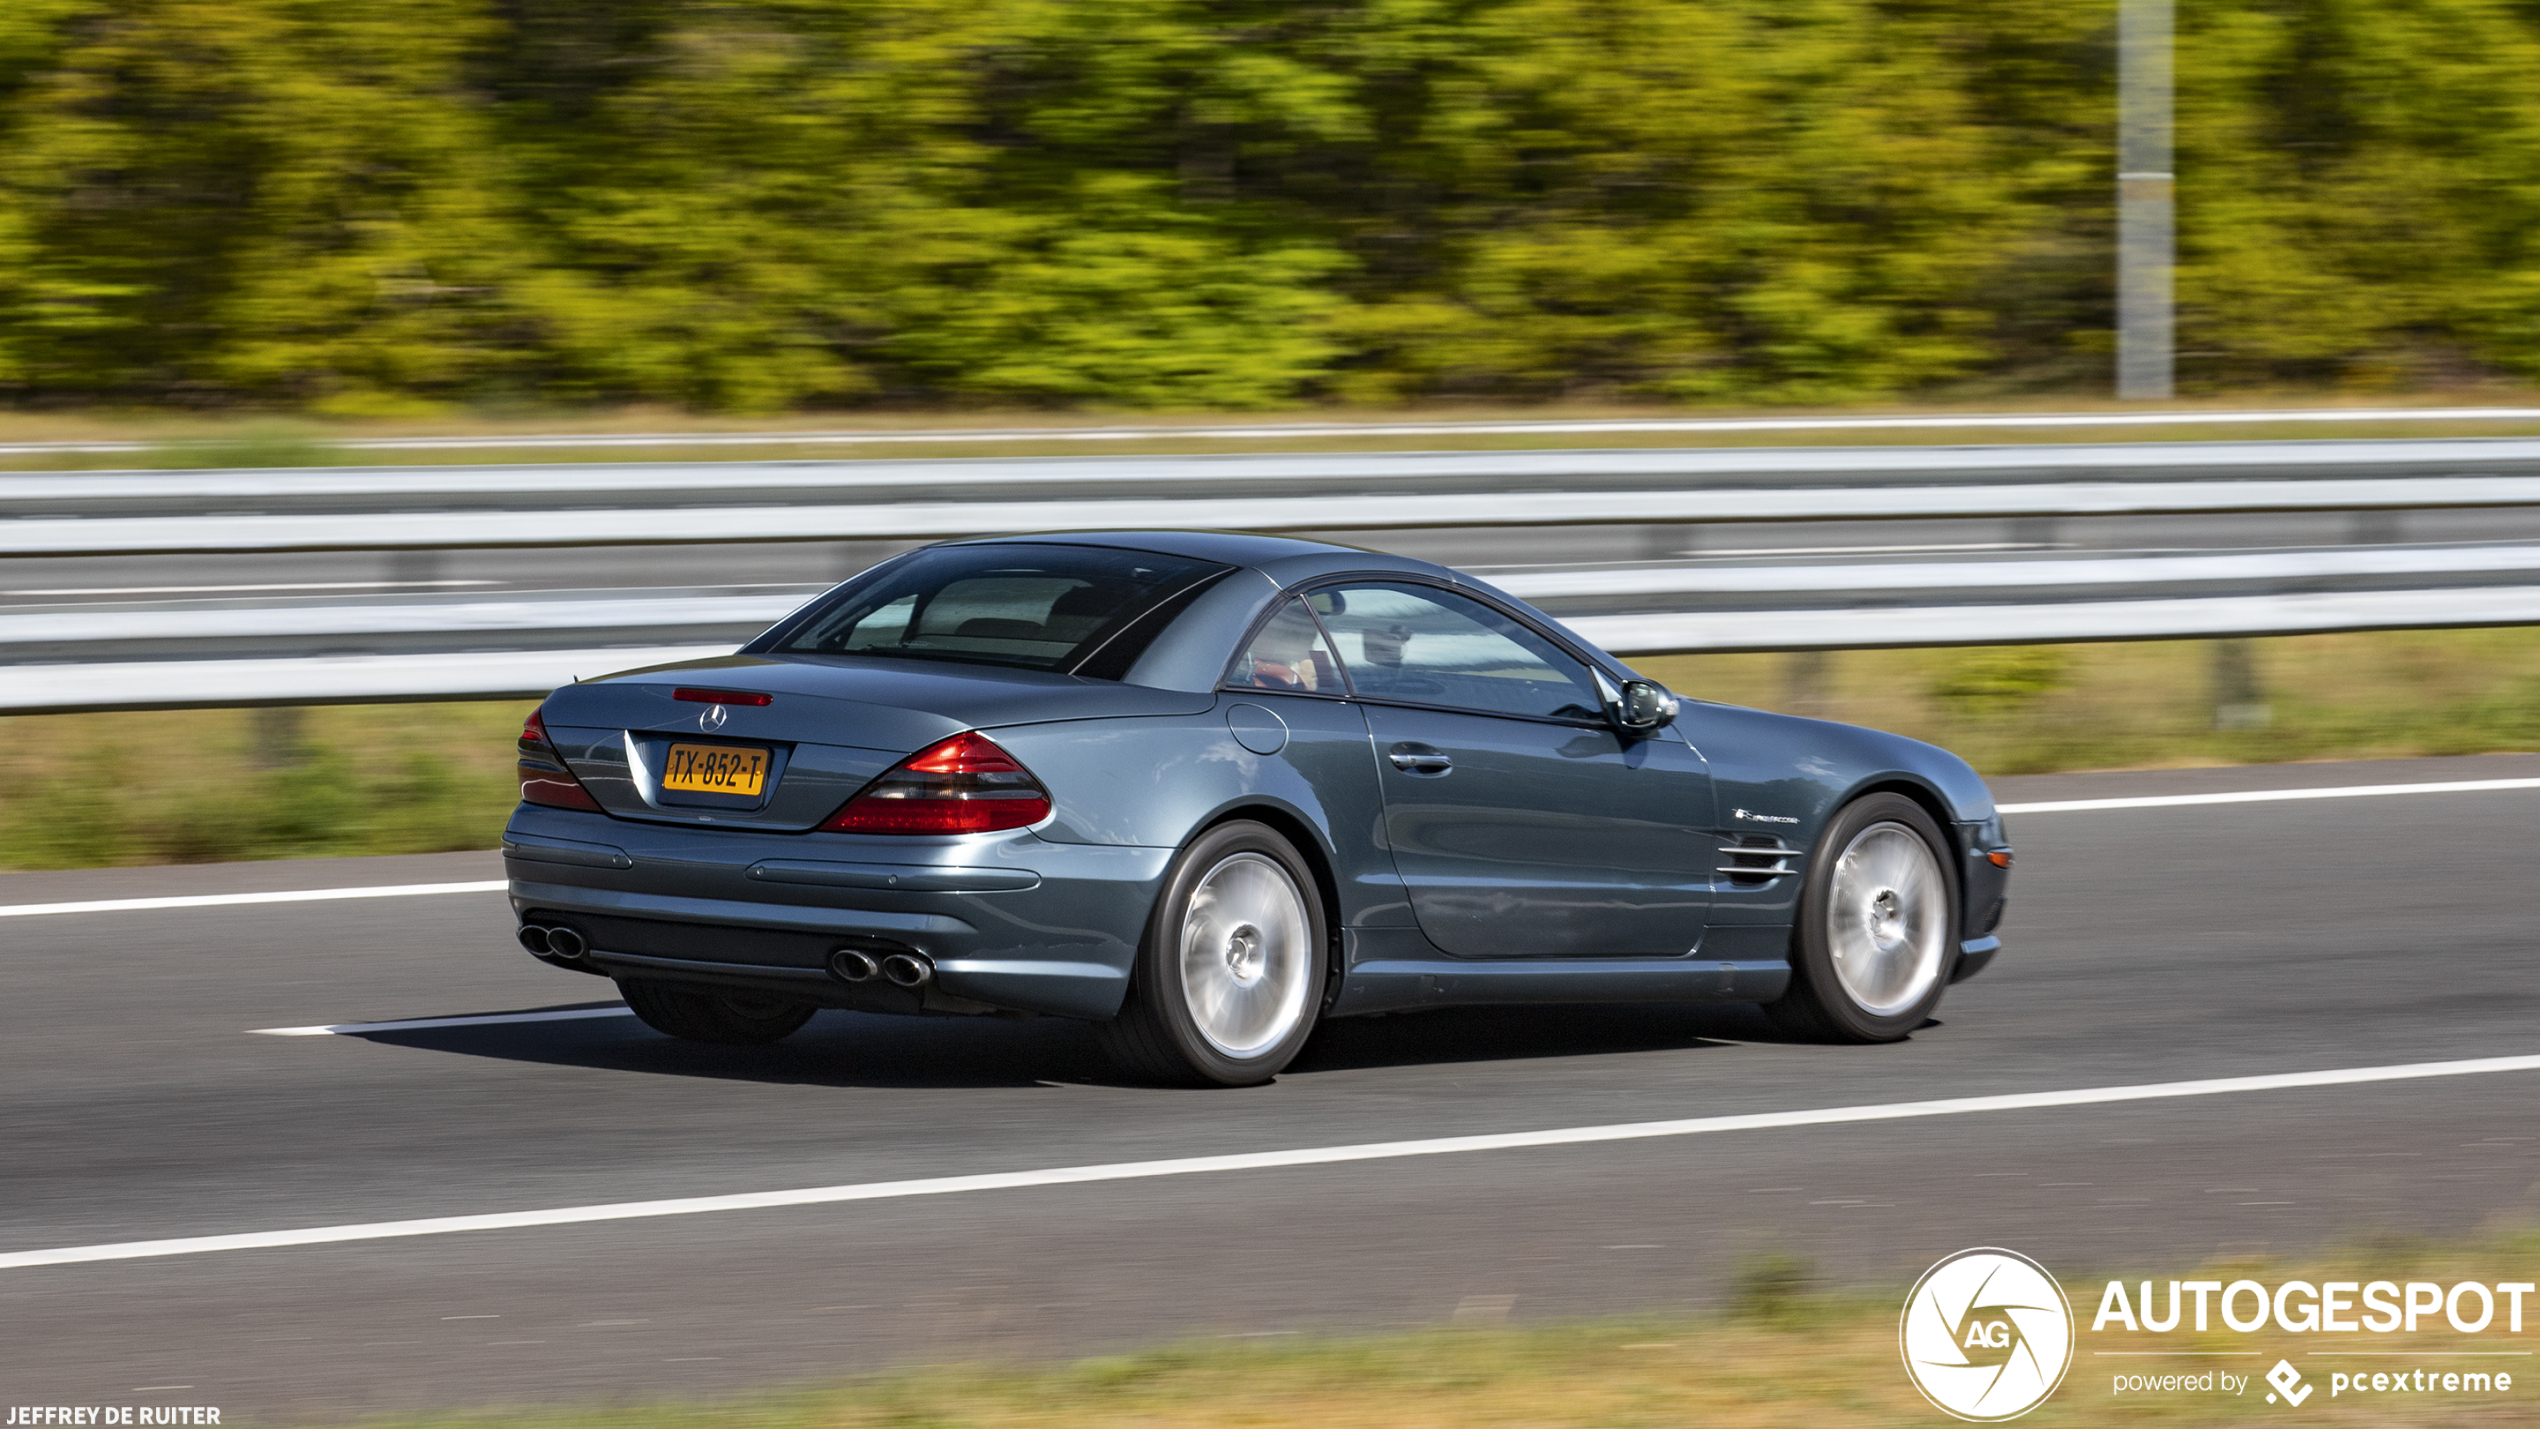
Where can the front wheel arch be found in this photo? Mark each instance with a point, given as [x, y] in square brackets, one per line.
[1920, 904]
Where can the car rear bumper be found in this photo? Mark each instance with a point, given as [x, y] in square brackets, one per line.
[1010, 922]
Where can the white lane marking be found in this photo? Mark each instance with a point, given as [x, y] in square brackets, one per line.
[1258, 1161]
[418, 1024]
[225, 900]
[2263, 796]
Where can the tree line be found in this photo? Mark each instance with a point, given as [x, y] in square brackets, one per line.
[382, 206]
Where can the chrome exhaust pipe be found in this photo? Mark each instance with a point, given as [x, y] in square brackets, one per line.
[566, 943]
[533, 937]
[849, 965]
[911, 970]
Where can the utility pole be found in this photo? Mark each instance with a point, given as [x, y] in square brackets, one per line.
[2147, 235]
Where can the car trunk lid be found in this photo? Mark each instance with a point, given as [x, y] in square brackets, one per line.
[781, 742]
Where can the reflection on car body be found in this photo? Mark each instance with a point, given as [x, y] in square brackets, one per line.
[1205, 790]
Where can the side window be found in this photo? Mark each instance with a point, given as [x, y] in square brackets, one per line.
[1289, 654]
[1433, 647]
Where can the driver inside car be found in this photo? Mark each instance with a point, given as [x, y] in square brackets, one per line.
[1289, 654]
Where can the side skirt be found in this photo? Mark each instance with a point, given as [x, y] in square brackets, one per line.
[1393, 984]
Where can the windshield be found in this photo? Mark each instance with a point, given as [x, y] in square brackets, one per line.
[1038, 607]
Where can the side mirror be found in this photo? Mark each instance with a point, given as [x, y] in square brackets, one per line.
[1644, 708]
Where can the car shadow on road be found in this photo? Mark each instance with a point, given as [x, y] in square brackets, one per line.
[1494, 1034]
[849, 1049]
[834, 1049]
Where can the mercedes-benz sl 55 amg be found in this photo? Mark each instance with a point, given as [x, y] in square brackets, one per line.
[1206, 790]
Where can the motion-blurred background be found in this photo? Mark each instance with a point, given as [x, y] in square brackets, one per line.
[399, 208]
[238, 235]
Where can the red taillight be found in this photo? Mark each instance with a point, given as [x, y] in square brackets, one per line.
[543, 777]
[721, 697]
[963, 785]
[556, 789]
[964, 754]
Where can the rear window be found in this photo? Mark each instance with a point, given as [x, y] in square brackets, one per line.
[1038, 607]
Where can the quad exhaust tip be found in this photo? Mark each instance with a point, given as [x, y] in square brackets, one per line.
[560, 943]
[909, 969]
[851, 965]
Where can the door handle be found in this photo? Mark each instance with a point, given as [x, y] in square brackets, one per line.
[1418, 759]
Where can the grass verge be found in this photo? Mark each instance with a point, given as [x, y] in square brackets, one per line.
[2036, 709]
[1779, 1358]
[179, 441]
[199, 786]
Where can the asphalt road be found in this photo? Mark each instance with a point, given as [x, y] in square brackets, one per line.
[2146, 945]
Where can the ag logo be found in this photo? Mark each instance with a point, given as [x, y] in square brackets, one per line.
[1987, 1335]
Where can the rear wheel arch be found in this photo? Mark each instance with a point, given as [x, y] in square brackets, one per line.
[1310, 846]
[1183, 1004]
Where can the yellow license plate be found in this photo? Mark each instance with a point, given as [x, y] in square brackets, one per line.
[715, 769]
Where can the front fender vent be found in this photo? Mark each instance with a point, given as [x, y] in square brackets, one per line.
[1757, 860]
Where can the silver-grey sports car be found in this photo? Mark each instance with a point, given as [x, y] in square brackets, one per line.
[1205, 790]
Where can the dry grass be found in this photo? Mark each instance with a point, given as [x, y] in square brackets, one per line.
[85, 790]
[199, 440]
[196, 786]
[1785, 1364]
[2151, 704]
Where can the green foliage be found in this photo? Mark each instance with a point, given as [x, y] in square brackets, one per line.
[81, 791]
[1773, 1287]
[98, 813]
[256, 445]
[365, 208]
[2389, 694]
[2000, 680]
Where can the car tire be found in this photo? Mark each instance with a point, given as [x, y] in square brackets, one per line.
[1877, 936]
[1229, 978]
[699, 1014]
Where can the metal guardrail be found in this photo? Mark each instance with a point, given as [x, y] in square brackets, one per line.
[2060, 580]
[181, 684]
[2195, 617]
[144, 658]
[2077, 575]
[171, 535]
[78, 626]
[405, 509]
[2065, 601]
[322, 679]
[639, 483]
